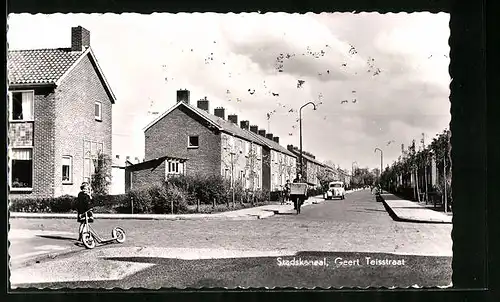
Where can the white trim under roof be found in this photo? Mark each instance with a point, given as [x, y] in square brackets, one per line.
[172, 109]
[99, 70]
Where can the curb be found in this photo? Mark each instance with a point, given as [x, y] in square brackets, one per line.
[259, 214]
[403, 219]
[132, 216]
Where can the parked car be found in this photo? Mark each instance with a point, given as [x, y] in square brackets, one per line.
[336, 189]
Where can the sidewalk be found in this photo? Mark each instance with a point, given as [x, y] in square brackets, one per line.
[406, 210]
[243, 214]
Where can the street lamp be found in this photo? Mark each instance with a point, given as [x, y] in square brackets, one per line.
[300, 129]
[381, 161]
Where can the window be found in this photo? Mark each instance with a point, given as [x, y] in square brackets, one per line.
[240, 146]
[67, 169]
[247, 148]
[193, 141]
[98, 111]
[22, 106]
[91, 152]
[21, 168]
[174, 167]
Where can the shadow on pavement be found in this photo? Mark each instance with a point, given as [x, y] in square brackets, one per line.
[392, 197]
[296, 270]
[57, 237]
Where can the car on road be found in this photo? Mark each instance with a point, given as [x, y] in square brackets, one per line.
[336, 189]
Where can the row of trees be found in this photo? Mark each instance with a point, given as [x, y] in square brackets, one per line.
[364, 177]
[416, 165]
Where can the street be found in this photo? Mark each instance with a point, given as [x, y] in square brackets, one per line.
[352, 242]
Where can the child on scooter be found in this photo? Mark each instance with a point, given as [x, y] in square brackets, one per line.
[83, 204]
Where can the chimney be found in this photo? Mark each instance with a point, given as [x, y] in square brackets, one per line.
[289, 147]
[276, 139]
[245, 125]
[269, 136]
[233, 118]
[220, 112]
[254, 129]
[80, 38]
[183, 96]
[203, 104]
[262, 132]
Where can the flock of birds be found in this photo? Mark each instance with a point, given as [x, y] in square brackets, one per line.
[280, 66]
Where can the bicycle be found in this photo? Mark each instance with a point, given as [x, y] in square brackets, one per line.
[90, 237]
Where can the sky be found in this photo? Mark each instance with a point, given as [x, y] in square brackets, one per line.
[378, 80]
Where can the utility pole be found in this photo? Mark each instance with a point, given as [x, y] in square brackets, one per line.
[425, 168]
[444, 173]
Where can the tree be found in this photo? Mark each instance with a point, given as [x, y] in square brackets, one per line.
[325, 176]
[101, 178]
[230, 159]
[252, 167]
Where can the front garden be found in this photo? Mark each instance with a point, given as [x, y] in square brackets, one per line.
[179, 195]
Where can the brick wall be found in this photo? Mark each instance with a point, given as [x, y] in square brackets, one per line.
[75, 121]
[43, 146]
[240, 160]
[284, 168]
[169, 136]
[142, 179]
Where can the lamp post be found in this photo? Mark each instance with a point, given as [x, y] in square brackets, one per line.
[381, 162]
[300, 129]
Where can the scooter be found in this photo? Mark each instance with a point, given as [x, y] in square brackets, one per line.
[90, 237]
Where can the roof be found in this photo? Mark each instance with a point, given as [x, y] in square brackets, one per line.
[124, 161]
[152, 163]
[226, 126]
[47, 66]
[232, 128]
[309, 158]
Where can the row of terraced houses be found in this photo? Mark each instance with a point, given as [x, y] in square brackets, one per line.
[60, 119]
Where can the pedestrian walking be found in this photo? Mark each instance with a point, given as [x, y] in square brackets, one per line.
[298, 200]
[287, 190]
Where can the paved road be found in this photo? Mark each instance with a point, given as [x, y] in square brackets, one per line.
[251, 253]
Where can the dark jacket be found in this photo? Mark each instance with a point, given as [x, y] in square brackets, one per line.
[83, 204]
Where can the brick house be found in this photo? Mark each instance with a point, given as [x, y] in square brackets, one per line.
[310, 165]
[214, 145]
[157, 170]
[60, 107]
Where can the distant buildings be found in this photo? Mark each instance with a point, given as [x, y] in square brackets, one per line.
[59, 118]
[314, 170]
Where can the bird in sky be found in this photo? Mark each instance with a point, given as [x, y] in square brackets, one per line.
[390, 142]
[343, 102]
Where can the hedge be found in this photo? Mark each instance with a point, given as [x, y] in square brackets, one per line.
[158, 198]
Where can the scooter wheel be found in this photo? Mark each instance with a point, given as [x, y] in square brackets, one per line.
[119, 234]
[88, 240]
